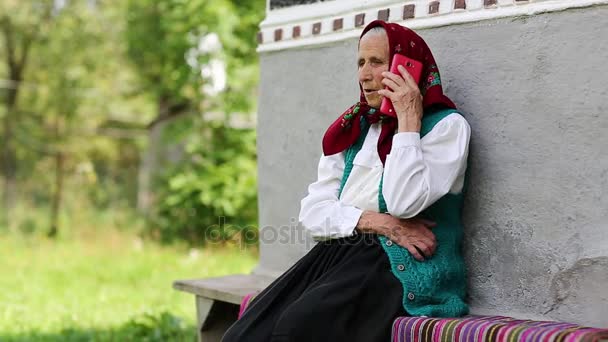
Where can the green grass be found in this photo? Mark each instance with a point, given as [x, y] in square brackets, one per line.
[103, 287]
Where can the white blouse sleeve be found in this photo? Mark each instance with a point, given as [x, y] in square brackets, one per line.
[418, 172]
[321, 212]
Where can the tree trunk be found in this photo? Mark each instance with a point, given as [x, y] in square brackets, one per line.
[150, 160]
[58, 195]
[15, 65]
[59, 175]
[9, 158]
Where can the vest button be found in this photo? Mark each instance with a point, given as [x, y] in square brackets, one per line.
[411, 296]
[389, 243]
[400, 267]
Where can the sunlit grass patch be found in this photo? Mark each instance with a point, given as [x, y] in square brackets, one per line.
[103, 285]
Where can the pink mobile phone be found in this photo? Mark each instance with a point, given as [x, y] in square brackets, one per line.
[412, 66]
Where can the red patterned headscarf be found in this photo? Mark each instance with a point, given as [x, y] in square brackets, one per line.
[346, 129]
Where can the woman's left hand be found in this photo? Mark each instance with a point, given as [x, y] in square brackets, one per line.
[406, 98]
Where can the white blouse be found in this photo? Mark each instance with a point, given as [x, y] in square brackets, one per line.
[417, 173]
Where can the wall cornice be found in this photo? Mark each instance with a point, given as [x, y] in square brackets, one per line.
[332, 21]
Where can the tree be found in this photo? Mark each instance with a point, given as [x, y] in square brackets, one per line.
[161, 35]
[69, 103]
[172, 44]
[21, 26]
[67, 95]
[65, 75]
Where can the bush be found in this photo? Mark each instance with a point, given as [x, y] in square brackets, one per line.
[211, 194]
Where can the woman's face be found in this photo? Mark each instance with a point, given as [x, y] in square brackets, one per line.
[373, 59]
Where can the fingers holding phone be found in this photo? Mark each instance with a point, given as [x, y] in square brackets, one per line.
[405, 98]
[402, 98]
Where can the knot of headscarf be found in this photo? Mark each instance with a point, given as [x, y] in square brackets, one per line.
[345, 131]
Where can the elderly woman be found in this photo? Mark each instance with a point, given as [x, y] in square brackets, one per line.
[385, 209]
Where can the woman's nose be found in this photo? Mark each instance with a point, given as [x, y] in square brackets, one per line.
[365, 73]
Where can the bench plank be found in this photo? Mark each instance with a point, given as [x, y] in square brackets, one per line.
[218, 299]
[230, 289]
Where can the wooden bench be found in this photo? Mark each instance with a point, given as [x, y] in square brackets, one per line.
[217, 300]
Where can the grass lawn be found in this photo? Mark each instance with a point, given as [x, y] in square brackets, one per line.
[103, 287]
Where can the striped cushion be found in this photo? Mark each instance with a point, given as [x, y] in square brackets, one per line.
[482, 329]
[490, 328]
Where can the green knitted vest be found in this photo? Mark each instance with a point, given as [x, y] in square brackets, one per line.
[435, 287]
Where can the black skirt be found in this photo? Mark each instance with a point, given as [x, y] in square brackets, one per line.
[341, 290]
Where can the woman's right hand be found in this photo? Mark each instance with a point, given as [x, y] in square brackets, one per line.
[413, 234]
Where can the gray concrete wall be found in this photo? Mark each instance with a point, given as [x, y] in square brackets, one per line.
[534, 90]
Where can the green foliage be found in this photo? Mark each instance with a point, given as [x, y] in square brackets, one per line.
[211, 195]
[74, 82]
[160, 35]
[157, 38]
[98, 76]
